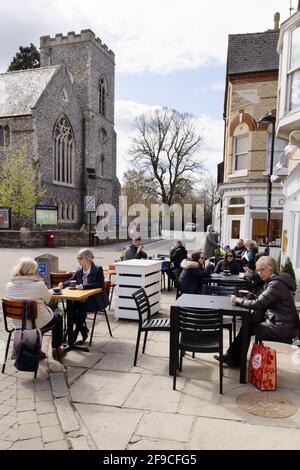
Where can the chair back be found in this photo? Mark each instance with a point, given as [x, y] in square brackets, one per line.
[107, 286]
[111, 267]
[142, 303]
[226, 289]
[176, 278]
[200, 325]
[56, 278]
[14, 308]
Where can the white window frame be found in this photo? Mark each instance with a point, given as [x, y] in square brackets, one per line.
[243, 171]
[290, 72]
[277, 154]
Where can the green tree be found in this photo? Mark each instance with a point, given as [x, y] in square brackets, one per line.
[19, 188]
[288, 268]
[166, 147]
[27, 58]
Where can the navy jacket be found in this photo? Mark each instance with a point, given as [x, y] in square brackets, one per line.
[177, 256]
[234, 267]
[95, 280]
[191, 276]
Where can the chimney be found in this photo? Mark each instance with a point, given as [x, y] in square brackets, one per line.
[277, 19]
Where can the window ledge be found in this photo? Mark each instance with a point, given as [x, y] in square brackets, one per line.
[238, 173]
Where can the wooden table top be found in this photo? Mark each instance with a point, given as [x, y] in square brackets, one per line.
[75, 294]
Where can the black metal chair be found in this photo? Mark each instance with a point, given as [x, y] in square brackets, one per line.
[228, 323]
[176, 278]
[198, 331]
[146, 323]
[107, 285]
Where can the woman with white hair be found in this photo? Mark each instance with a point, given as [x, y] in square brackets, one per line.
[88, 276]
[248, 257]
[27, 285]
[273, 313]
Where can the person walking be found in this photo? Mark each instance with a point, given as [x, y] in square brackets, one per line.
[211, 242]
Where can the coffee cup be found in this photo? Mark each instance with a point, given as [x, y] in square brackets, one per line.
[73, 284]
[243, 293]
[226, 272]
[56, 290]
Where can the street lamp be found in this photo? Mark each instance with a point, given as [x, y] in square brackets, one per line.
[269, 118]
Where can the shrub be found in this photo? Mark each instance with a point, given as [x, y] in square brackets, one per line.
[288, 268]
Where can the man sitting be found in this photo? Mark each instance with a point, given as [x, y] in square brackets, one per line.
[239, 248]
[135, 250]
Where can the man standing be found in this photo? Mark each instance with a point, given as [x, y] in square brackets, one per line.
[135, 250]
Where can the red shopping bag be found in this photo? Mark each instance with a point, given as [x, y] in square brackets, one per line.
[262, 370]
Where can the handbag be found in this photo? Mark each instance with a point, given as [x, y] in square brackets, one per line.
[262, 371]
[27, 345]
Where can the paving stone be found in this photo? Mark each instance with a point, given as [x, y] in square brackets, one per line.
[27, 417]
[56, 366]
[43, 395]
[228, 435]
[114, 362]
[25, 405]
[79, 443]
[82, 359]
[115, 427]
[166, 426]
[9, 420]
[43, 407]
[42, 384]
[48, 419]
[59, 386]
[52, 433]
[11, 434]
[57, 445]
[24, 394]
[142, 443]
[73, 373]
[29, 431]
[3, 428]
[4, 445]
[66, 415]
[103, 387]
[15, 446]
[154, 393]
[5, 410]
[32, 444]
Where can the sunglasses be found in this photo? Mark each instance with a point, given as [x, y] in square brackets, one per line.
[79, 258]
[229, 256]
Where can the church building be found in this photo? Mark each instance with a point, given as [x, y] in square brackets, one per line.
[64, 112]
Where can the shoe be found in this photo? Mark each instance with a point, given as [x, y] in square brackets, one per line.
[42, 355]
[227, 360]
[84, 333]
[58, 353]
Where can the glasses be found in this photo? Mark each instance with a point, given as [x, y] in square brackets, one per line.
[229, 256]
[79, 258]
[201, 257]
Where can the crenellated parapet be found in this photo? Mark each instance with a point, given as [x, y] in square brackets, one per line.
[86, 35]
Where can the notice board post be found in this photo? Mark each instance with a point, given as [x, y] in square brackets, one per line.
[90, 207]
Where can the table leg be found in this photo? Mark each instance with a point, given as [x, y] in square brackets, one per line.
[245, 345]
[70, 323]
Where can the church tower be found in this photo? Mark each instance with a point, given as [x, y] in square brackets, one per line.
[91, 69]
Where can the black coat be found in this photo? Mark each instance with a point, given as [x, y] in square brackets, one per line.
[278, 304]
[177, 256]
[95, 280]
[234, 267]
[191, 276]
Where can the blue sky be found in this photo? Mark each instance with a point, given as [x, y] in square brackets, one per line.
[168, 52]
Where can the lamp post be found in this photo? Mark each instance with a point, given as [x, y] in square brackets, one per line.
[269, 118]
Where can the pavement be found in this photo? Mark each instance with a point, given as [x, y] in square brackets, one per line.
[98, 400]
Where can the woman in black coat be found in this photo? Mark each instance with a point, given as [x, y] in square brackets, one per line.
[228, 263]
[273, 314]
[177, 254]
[88, 276]
[192, 273]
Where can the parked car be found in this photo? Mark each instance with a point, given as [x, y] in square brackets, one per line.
[190, 227]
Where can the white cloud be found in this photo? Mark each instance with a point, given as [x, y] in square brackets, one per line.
[212, 131]
[158, 36]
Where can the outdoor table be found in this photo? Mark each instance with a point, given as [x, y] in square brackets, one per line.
[212, 302]
[73, 295]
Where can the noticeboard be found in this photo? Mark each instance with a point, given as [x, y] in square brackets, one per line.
[45, 214]
[42, 269]
[5, 218]
[90, 204]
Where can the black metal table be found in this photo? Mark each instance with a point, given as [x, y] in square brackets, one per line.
[212, 302]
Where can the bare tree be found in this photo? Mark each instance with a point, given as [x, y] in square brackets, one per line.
[135, 187]
[166, 147]
[208, 196]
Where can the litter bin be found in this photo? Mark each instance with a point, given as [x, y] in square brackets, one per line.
[47, 264]
[50, 239]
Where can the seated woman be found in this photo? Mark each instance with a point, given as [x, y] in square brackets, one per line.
[248, 257]
[88, 276]
[273, 314]
[193, 270]
[177, 254]
[228, 263]
[26, 285]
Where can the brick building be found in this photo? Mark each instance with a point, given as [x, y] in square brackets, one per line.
[251, 92]
[64, 111]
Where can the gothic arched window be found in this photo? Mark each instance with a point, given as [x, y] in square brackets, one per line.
[63, 151]
[102, 95]
[4, 136]
[100, 166]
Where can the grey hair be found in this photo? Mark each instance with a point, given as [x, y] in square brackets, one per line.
[86, 254]
[250, 243]
[25, 267]
[210, 228]
[267, 261]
